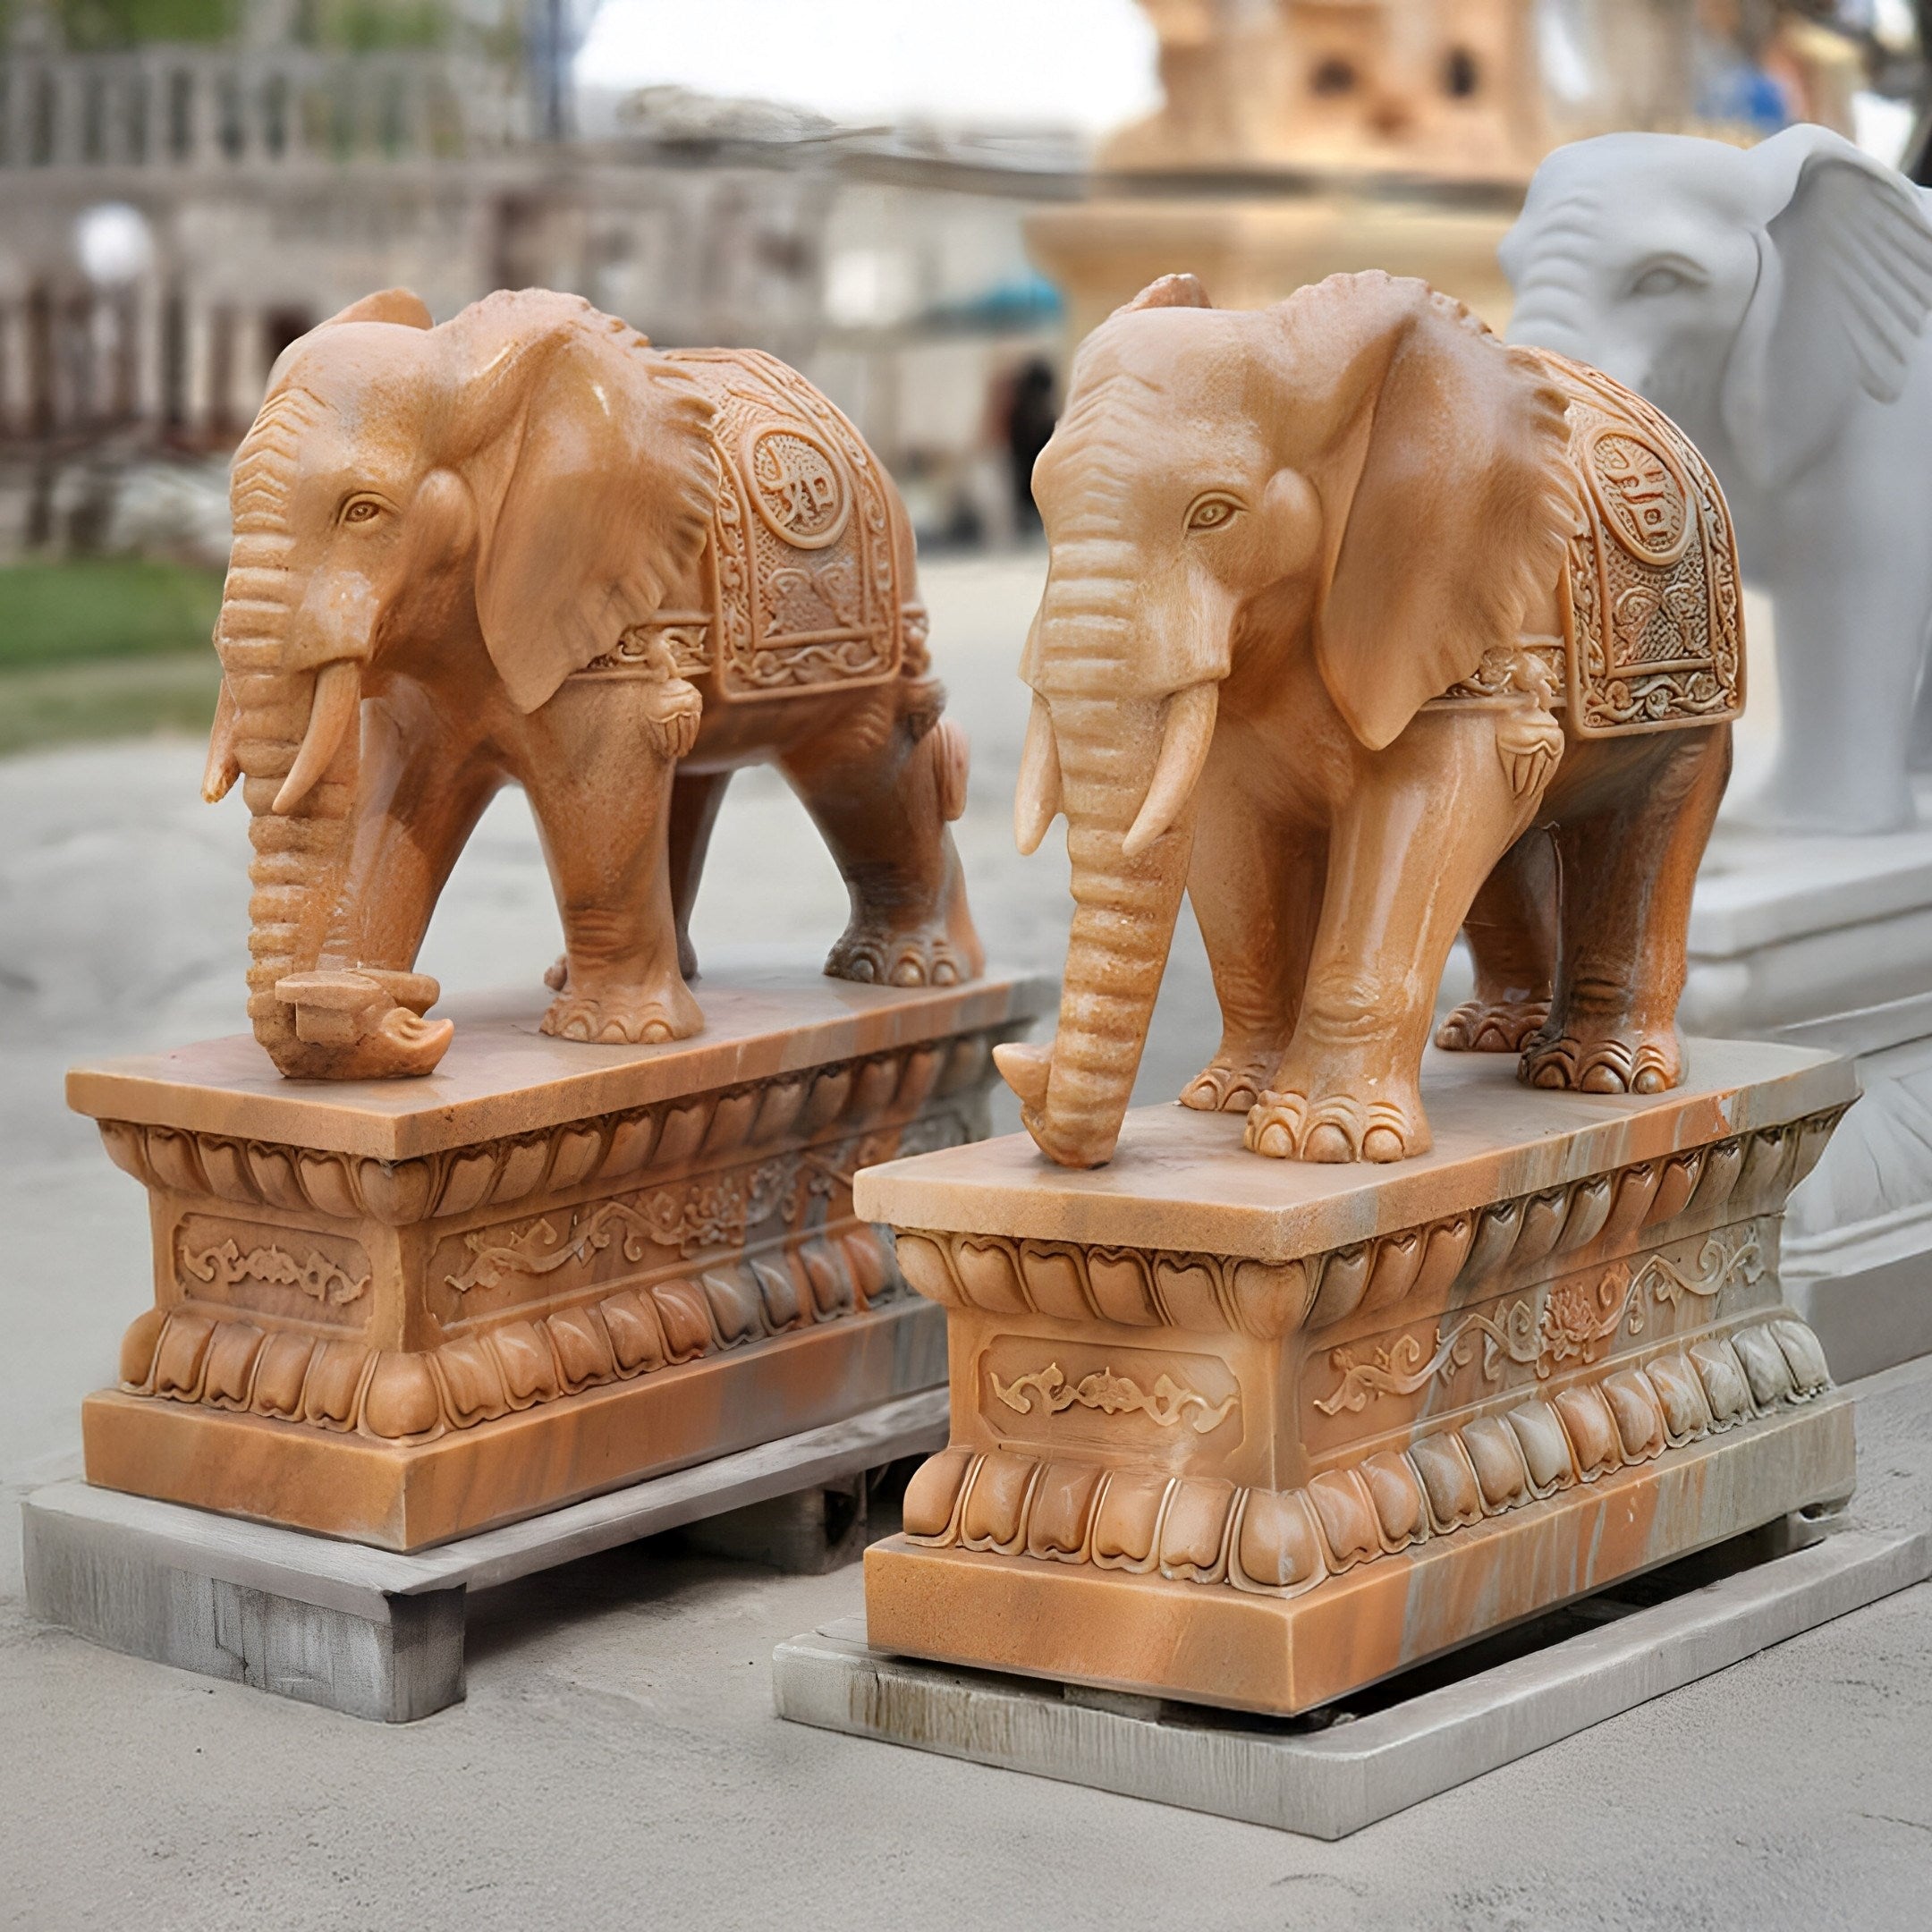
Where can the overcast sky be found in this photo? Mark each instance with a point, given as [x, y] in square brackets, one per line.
[1086, 64]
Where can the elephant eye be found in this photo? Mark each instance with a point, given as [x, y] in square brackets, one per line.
[362, 510]
[1660, 281]
[1211, 512]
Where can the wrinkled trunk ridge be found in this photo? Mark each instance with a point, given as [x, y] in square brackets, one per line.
[301, 833]
[1075, 1094]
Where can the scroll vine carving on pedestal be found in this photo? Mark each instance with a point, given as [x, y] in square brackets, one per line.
[1113, 1394]
[1578, 1316]
[318, 1278]
[702, 1214]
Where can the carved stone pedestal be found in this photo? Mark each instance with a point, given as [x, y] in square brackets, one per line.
[1826, 941]
[1254, 1434]
[401, 1311]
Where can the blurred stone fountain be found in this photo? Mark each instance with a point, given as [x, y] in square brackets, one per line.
[1300, 139]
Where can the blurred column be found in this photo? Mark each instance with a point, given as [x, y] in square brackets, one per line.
[147, 318]
[250, 359]
[197, 360]
[13, 370]
[69, 115]
[101, 402]
[204, 114]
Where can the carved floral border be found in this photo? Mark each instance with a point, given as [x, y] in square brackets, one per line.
[1145, 1288]
[1281, 1543]
[848, 1095]
[287, 1374]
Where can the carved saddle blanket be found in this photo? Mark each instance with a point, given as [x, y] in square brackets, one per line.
[801, 580]
[1653, 634]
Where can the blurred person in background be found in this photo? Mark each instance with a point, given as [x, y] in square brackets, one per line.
[1031, 410]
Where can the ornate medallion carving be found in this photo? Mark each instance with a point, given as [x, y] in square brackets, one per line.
[798, 486]
[804, 578]
[1652, 614]
[1643, 496]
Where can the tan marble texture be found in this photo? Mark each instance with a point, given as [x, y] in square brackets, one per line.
[1360, 627]
[523, 548]
[401, 1311]
[504, 1076]
[1173, 1182]
[1254, 1434]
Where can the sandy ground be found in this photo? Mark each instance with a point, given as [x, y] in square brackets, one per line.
[616, 1762]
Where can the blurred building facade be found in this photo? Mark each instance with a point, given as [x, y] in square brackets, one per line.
[187, 185]
[174, 214]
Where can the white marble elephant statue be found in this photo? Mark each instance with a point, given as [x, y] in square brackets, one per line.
[1774, 302]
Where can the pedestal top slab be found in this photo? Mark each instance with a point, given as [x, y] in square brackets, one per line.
[1181, 1180]
[764, 1016]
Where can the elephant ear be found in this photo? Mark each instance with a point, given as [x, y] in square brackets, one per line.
[1168, 292]
[399, 305]
[387, 305]
[1845, 288]
[595, 485]
[1449, 481]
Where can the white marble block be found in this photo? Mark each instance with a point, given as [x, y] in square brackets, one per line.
[1827, 942]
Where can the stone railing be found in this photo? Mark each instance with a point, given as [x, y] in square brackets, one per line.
[186, 108]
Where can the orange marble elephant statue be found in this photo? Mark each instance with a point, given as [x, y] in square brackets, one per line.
[523, 546]
[1362, 627]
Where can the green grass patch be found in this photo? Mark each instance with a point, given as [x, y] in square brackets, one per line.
[85, 611]
[105, 648]
[69, 704]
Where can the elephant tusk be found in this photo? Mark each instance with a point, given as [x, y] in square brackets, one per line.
[221, 770]
[1184, 741]
[338, 697]
[1037, 797]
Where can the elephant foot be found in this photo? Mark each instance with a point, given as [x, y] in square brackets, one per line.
[1287, 1125]
[634, 1016]
[924, 956]
[1491, 1026]
[1226, 1086]
[1632, 1060]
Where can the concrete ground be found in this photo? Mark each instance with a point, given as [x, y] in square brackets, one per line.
[617, 1762]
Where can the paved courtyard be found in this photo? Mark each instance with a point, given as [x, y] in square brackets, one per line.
[616, 1762]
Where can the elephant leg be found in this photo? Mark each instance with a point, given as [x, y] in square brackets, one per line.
[695, 799]
[1629, 857]
[881, 801]
[1255, 883]
[421, 795]
[1425, 825]
[1512, 934]
[601, 791]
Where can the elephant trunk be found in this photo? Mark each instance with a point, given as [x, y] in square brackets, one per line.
[269, 728]
[1124, 772]
[291, 735]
